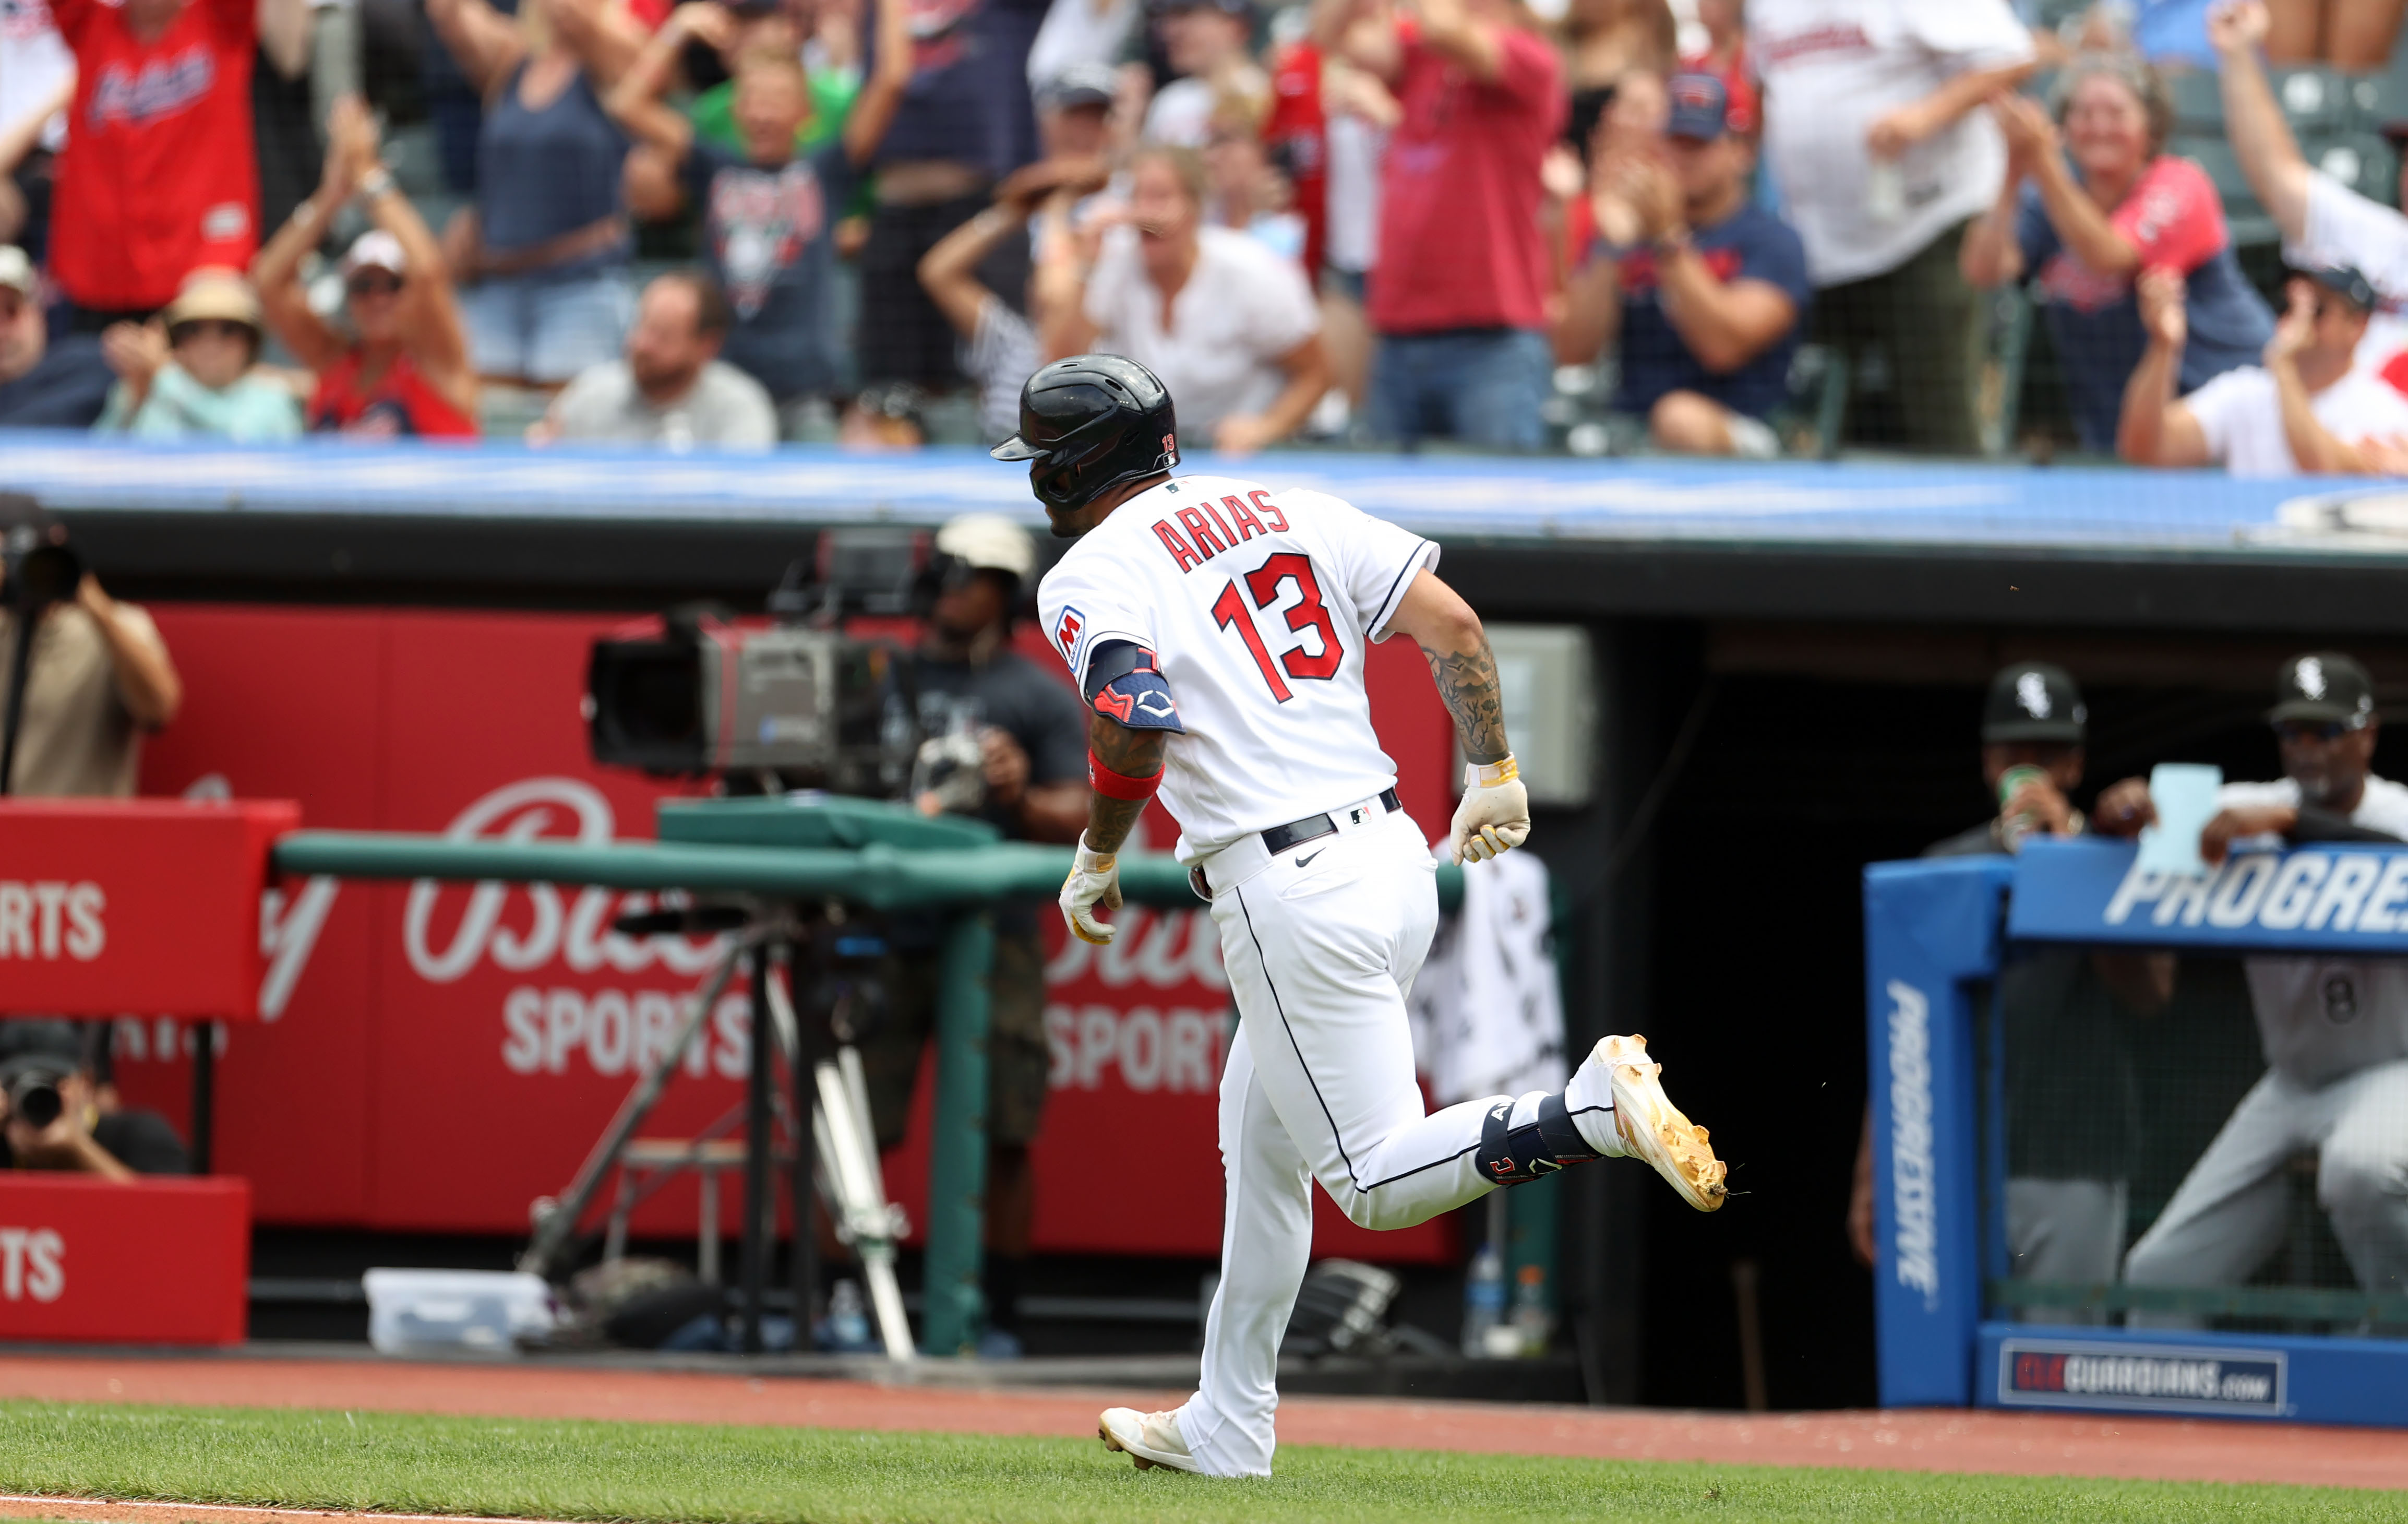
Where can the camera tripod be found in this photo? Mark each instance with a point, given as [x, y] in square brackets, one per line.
[837, 1147]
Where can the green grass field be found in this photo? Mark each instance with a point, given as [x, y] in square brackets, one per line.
[702, 1474]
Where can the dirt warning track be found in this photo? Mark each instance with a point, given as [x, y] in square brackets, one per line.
[1949, 1440]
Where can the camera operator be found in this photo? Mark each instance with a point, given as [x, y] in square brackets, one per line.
[98, 676]
[59, 1117]
[1008, 745]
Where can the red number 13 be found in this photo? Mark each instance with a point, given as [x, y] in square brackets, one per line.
[1310, 612]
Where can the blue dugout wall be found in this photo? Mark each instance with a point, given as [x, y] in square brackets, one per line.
[1934, 932]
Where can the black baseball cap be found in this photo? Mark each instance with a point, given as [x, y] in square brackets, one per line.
[2323, 686]
[39, 1044]
[2346, 281]
[2034, 700]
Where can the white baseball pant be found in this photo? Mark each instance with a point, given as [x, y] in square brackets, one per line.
[2227, 1216]
[2064, 1230]
[1321, 943]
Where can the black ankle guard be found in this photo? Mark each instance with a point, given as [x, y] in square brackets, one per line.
[1510, 1154]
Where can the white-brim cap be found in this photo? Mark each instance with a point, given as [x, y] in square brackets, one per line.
[375, 250]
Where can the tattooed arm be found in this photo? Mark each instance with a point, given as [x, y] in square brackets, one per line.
[1132, 753]
[1493, 814]
[1449, 634]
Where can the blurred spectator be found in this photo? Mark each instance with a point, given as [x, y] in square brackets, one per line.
[1725, 57]
[2085, 230]
[37, 82]
[1080, 33]
[1001, 348]
[542, 255]
[1028, 779]
[1882, 160]
[1360, 114]
[1242, 190]
[1708, 311]
[157, 177]
[671, 389]
[886, 415]
[768, 214]
[100, 678]
[764, 26]
[88, 1135]
[1604, 40]
[1294, 133]
[1209, 46]
[43, 385]
[2334, 1031]
[1460, 300]
[187, 373]
[2355, 34]
[2323, 221]
[403, 370]
[1230, 325]
[2072, 1096]
[966, 121]
[2306, 411]
[284, 111]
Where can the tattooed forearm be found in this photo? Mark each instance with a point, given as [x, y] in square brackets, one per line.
[1132, 753]
[1467, 684]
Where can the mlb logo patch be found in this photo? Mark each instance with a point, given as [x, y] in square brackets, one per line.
[1066, 634]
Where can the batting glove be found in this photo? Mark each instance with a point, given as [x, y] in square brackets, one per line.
[1093, 876]
[1495, 815]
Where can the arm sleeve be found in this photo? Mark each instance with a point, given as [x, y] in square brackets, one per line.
[1082, 605]
[2215, 404]
[1108, 284]
[1779, 258]
[2317, 824]
[1282, 313]
[1970, 33]
[2035, 235]
[2172, 217]
[2346, 228]
[1375, 560]
[1530, 71]
[71, 17]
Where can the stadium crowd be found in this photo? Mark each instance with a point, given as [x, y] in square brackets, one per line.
[1722, 227]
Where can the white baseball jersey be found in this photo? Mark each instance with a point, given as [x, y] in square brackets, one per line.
[1258, 607]
[2322, 1018]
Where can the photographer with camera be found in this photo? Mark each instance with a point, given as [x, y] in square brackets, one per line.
[58, 1117]
[94, 678]
[1007, 744]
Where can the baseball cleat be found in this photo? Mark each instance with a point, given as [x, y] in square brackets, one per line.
[1150, 1439]
[1653, 1129]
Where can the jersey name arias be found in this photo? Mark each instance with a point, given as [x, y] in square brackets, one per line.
[1205, 529]
[1255, 605]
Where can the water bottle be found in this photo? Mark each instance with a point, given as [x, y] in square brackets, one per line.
[2014, 829]
[1483, 1301]
[1532, 1322]
[848, 1318]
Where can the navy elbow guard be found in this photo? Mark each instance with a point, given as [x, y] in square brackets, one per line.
[1125, 687]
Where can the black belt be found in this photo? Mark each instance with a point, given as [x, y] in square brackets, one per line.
[1312, 827]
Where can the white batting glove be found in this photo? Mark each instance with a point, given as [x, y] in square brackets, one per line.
[1495, 815]
[1093, 876]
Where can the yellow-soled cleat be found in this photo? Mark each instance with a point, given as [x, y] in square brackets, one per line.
[1653, 1129]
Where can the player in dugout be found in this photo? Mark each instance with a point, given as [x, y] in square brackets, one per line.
[1219, 633]
[2073, 1095]
[2335, 1030]
[1016, 739]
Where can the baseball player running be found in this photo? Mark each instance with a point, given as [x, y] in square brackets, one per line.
[1217, 629]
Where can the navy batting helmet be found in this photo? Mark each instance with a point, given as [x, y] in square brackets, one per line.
[1088, 424]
